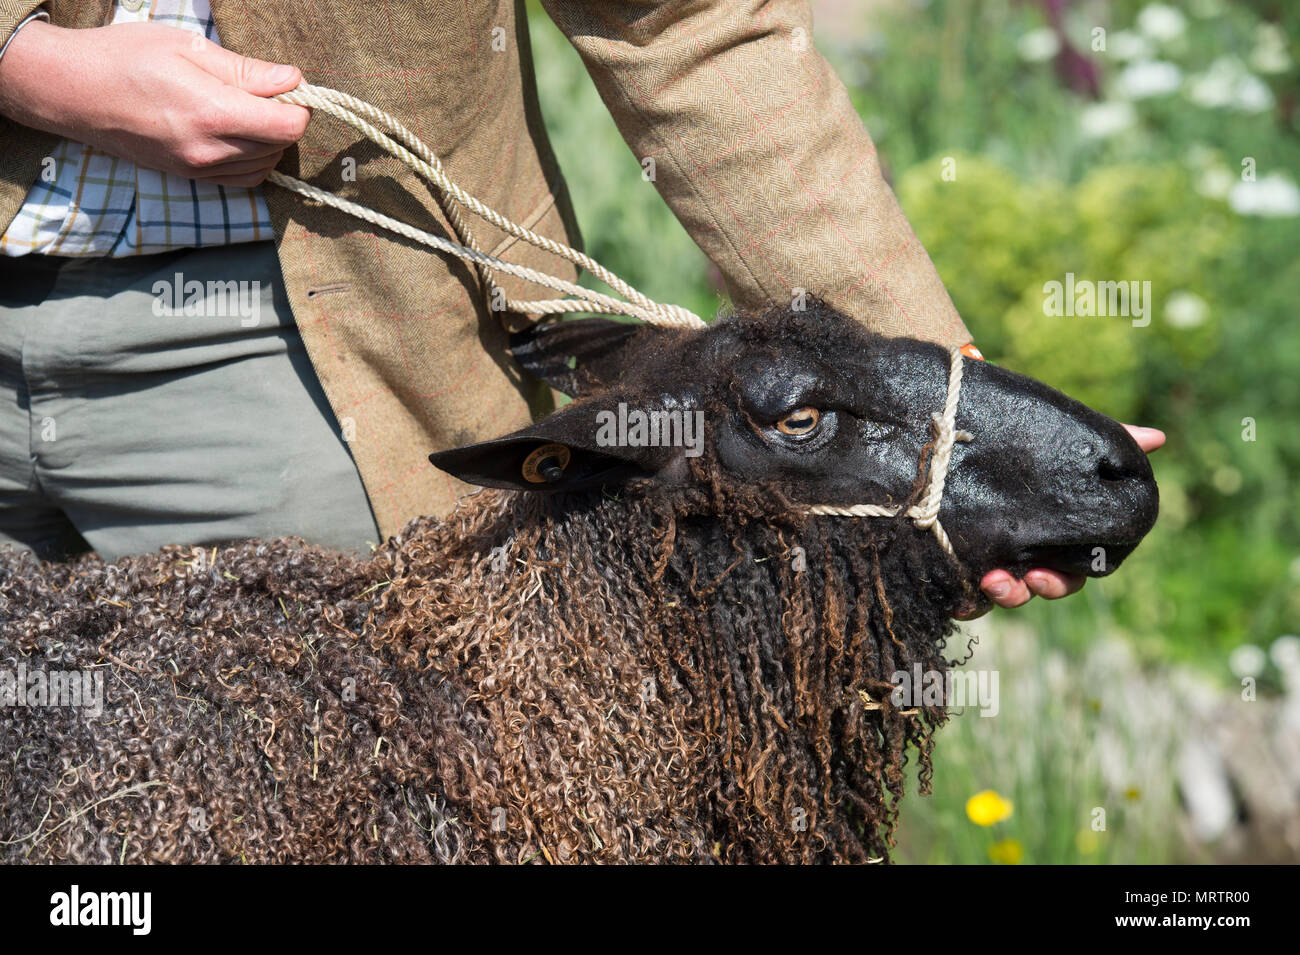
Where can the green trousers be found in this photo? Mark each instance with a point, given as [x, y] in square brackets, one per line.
[164, 399]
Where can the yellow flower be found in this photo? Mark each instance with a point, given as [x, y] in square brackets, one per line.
[987, 807]
[1087, 842]
[1132, 794]
[1007, 852]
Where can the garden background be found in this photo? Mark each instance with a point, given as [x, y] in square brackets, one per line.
[1118, 141]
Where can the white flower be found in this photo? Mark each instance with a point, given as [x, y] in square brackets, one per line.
[1227, 83]
[1161, 23]
[1037, 46]
[1101, 120]
[1275, 196]
[1214, 87]
[1127, 45]
[1149, 78]
[1247, 660]
[1186, 310]
[1270, 54]
[1285, 652]
[1252, 95]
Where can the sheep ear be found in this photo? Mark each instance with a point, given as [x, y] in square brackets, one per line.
[583, 356]
[574, 449]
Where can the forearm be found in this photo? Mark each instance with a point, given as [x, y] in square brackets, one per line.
[41, 85]
[760, 153]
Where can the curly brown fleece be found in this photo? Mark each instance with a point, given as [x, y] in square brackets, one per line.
[651, 676]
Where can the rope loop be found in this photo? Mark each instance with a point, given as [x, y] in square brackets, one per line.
[391, 136]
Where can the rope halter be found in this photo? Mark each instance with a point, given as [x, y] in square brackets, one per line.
[397, 140]
[924, 513]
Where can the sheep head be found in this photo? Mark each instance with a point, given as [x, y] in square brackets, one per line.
[812, 404]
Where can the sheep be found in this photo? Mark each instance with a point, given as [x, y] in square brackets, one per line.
[611, 653]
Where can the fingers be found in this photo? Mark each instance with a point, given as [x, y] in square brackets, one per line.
[240, 116]
[225, 157]
[242, 108]
[1148, 439]
[244, 173]
[1006, 591]
[204, 160]
[257, 77]
[243, 150]
[1053, 585]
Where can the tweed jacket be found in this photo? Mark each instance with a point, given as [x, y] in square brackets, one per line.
[757, 148]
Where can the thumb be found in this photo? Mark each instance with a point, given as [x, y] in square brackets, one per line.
[1148, 439]
[257, 77]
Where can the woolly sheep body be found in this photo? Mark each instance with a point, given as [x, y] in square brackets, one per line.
[438, 703]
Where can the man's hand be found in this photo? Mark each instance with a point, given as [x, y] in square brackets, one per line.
[1006, 591]
[159, 96]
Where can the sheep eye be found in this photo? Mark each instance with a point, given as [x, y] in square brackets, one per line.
[800, 422]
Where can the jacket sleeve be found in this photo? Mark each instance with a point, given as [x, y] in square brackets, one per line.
[14, 12]
[760, 154]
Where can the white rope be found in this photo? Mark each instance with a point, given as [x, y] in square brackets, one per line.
[605, 303]
[416, 155]
[925, 513]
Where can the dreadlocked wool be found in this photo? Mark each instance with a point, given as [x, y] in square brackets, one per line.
[689, 674]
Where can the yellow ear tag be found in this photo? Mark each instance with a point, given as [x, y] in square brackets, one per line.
[544, 464]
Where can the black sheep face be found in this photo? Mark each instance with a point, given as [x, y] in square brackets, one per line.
[829, 413]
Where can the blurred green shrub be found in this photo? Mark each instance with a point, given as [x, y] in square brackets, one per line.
[998, 239]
